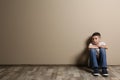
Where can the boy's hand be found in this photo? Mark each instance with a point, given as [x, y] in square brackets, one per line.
[98, 46]
[102, 46]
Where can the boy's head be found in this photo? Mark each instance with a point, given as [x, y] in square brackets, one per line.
[96, 37]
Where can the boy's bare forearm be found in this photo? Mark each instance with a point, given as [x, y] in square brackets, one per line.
[93, 46]
[103, 46]
[96, 46]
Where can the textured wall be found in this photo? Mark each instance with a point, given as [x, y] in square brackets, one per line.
[55, 31]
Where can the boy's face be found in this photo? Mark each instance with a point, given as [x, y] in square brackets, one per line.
[96, 39]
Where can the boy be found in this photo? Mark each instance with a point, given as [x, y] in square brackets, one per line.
[96, 47]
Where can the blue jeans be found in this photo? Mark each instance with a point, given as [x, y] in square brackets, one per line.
[102, 58]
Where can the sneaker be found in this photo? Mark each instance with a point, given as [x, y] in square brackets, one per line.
[96, 72]
[105, 72]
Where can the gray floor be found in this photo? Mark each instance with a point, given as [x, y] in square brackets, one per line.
[54, 73]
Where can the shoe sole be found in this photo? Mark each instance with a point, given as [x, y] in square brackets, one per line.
[96, 74]
[105, 75]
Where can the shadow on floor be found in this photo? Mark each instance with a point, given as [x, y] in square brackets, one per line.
[82, 58]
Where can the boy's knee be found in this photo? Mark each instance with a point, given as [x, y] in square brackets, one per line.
[102, 49]
[92, 49]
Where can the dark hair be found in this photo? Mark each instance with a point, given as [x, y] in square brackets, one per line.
[96, 34]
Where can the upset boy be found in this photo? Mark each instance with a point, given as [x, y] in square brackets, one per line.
[96, 47]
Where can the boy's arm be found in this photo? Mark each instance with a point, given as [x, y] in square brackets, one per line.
[103, 46]
[92, 46]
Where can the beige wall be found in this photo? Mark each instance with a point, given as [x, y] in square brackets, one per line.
[55, 31]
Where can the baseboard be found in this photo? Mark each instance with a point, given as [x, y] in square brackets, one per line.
[79, 65]
[41, 65]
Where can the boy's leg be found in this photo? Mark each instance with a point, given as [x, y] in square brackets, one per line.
[93, 58]
[103, 61]
[93, 61]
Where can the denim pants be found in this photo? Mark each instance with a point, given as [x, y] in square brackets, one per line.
[102, 58]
